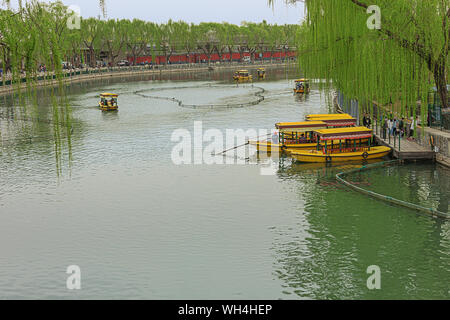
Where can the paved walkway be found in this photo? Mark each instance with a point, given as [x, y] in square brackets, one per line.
[405, 149]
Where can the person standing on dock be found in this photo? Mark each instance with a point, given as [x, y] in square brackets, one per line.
[413, 126]
[390, 126]
[366, 121]
[385, 127]
[401, 127]
[275, 138]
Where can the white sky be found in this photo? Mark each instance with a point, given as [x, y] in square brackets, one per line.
[232, 11]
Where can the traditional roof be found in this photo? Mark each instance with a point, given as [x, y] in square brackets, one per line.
[345, 133]
[304, 124]
[329, 116]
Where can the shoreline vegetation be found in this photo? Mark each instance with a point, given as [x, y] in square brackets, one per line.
[88, 74]
[383, 51]
[48, 37]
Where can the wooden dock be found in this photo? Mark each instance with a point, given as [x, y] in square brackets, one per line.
[405, 149]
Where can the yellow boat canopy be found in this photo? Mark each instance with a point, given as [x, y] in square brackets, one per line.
[324, 115]
[306, 126]
[106, 94]
[353, 133]
[337, 116]
[302, 80]
[334, 120]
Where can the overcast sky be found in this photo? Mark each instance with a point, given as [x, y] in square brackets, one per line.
[232, 11]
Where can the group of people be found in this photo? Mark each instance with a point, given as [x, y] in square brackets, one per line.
[396, 127]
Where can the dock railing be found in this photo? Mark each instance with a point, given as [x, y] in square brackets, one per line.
[392, 136]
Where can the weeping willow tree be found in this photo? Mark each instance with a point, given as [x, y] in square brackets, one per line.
[32, 35]
[391, 52]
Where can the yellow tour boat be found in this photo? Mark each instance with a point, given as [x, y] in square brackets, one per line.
[302, 86]
[292, 135]
[242, 76]
[261, 73]
[349, 147]
[108, 102]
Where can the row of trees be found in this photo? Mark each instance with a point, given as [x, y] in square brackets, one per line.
[380, 50]
[40, 33]
[117, 38]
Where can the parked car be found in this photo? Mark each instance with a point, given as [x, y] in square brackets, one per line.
[66, 65]
[123, 63]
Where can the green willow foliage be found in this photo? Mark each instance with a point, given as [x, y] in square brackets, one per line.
[397, 63]
[24, 38]
[36, 34]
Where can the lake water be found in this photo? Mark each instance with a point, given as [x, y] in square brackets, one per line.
[141, 227]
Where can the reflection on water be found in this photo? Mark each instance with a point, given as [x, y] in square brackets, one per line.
[326, 253]
[423, 184]
[141, 227]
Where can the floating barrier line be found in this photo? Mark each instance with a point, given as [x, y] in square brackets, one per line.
[409, 205]
[242, 145]
[180, 103]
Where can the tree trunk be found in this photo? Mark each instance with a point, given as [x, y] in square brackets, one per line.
[7, 59]
[241, 55]
[188, 57]
[441, 83]
[441, 86]
[92, 57]
[252, 54]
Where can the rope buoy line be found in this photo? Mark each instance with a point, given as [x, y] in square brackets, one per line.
[242, 145]
[388, 199]
[180, 103]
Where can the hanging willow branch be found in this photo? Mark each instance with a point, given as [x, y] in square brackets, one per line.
[393, 63]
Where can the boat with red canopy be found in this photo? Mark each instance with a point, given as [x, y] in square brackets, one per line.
[345, 144]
